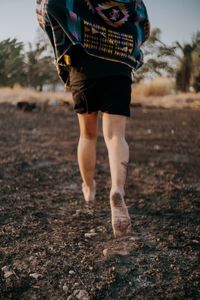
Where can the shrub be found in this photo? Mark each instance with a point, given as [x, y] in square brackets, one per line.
[157, 87]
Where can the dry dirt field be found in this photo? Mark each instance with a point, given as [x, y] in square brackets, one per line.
[53, 247]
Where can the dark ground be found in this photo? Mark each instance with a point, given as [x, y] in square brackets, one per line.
[51, 246]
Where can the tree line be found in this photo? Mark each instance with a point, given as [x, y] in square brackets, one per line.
[30, 66]
[34, 67]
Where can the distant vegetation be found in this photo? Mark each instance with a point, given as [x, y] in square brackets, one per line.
[34, 67]
[179, 62]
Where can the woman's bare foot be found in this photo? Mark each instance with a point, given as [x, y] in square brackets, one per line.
[121, 222]
[89, 192]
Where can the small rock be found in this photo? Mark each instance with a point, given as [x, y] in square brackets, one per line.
[110, 252]
[157, 147]
[7, 272]
[71, 272]
[81, 294]
[35, 275]
[76, 284]
[133, 238]
[31, 258]
[77, 213]
[149, 131]
[90, 234]
[105, 252]
[101, 229]
[5, 269]
[71, 297]
[195, 241]
[65, 288]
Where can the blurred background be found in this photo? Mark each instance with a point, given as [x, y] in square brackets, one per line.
[172, 54]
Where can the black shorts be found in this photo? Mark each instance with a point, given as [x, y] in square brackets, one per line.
[107, 94]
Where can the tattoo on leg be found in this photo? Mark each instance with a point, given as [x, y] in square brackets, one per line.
[125, 165]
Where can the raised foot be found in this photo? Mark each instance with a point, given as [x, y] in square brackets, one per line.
[89, 192]
[121, 222]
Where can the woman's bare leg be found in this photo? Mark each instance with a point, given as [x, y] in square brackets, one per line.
[87, 153]
[118, 152]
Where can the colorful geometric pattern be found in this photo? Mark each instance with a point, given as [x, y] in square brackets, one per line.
[114, 14]
[109, 29]
[103, 40]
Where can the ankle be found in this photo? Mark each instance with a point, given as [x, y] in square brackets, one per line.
[89, 186]
[118, 190]
[89, 191]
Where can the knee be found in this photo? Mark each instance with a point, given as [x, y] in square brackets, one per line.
[114, 140]
[88, 134]
[110, 140]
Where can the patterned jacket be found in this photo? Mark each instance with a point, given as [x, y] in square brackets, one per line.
[112, 30]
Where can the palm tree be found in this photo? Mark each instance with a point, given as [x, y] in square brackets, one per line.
[185, 71]
[159, 58]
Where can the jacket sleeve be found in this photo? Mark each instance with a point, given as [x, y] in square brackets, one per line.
[59, 41]
[142, 22]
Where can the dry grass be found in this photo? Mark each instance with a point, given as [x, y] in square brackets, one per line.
[160, 93]
[18, 94]
[188, 100]
[157, 87]
[142, 95]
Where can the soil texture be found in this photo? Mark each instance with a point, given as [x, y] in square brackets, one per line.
[53, 246]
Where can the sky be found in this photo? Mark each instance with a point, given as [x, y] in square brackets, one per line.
[177, 19]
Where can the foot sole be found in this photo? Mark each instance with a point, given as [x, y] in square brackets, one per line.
[121, 222]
